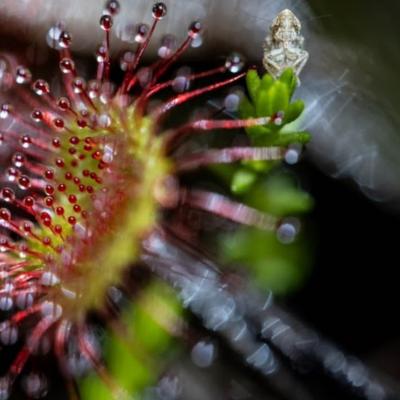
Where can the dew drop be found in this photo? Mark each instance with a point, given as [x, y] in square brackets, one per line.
[23, 75]
[64, 104]
[126, 60]
[142, 30]
[18, 159]
[67, 66]
[232, 102]
[194, 29]
[288, 230]
[37, 115]
[5, 110]
[293, 153]
[12, 174]
[197, 41]
[101, 54]
[53, 36]
[6, 303]
[64, 40]
[159, 11]
[41, 87]
[8, 334]
[24, 182]
[49, 279]
[35, 385]
[106, 22]
[26, 226]
[203, 354]
[113, 7]
[25, 141]
[7, 194]
[58, 123]
[180, 84]
[104, 120]
[78, 85]
[24, 300]
[168, 45]
[144, 76]
[234, 63]
[29, 201]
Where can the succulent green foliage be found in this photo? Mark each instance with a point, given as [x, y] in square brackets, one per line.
[262, 185]
[272, 264]
[135, 357]
[267, 97]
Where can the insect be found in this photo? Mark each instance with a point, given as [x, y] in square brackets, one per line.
[283, 46]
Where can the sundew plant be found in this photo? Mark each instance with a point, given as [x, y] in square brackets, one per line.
[97, 178]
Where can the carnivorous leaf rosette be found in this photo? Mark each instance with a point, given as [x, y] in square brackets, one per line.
[90, 172]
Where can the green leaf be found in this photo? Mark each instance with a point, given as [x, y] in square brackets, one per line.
[280, 97]
[289, 78]
[285, 139]
[278, 195]
[253, 82]
[293, 111]
[243, 180]
[273, 265]
[266, 82]
[246, 109]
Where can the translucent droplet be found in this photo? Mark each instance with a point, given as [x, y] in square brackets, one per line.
[7, 194]
[106, 22]
[126, 60]
[144, 75]
[168, 45]
[63, 103]
[6, 303]
[101, 54]
[35, 385]
[94, 89]
[51, 309]
[25, 141]
[23, 75]
[288, 230]
[104, 121]
[234, 63]
[181, 84]
[41, 87]
[293, 153]
[232, 102]
[67, 66]
[142, 30]
[113, 7]
[64, 40]
[197, 41]
[5, 214]
[49, 279]
[159, 10]
[5, 110]
[78, 85]
[53, 36]
[203, 354]
[24, 182]
[194, 29]
[24, 300]
[8, 334]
